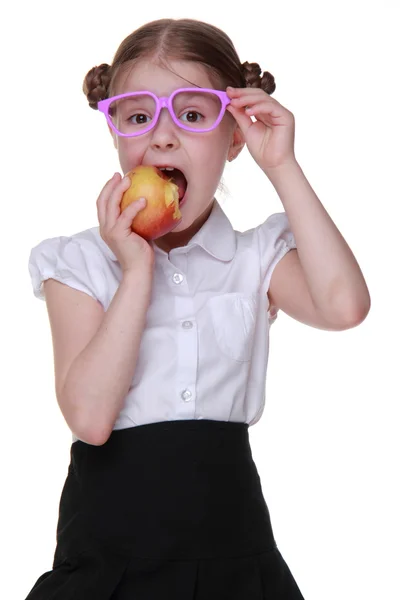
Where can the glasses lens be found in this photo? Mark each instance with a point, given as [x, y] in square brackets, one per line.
[197, 110]
[132, 114]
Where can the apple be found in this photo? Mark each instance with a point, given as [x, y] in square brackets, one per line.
[161, 213]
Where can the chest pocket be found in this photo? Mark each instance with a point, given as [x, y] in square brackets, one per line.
[233, 318]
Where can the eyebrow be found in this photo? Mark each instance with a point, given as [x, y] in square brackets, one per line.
[128, 100]
[195, 92]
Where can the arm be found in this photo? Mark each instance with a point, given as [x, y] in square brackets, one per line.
[288, 291]
[335, 284]
[91, 391]
[337, 292]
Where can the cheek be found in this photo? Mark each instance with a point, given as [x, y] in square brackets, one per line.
[129, 154]
[210, 168]
[217, 146]
[217, 155]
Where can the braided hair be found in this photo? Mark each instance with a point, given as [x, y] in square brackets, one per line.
[180, 39]
[253, 78]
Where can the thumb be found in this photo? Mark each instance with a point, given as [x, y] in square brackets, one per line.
[138, 204]
[134, 207]
[243, 120]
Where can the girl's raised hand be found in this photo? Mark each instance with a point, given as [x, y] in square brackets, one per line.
[270, 138]
[130, 248]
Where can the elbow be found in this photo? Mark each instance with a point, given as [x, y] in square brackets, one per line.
[92, 434]
[359, 313]
[84, 421]
[351, 313]
[87, 429]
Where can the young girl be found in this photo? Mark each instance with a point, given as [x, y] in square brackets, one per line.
[161, 346]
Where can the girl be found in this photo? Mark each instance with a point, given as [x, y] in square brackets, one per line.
[161, 347]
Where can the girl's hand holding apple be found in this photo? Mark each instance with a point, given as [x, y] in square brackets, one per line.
[131, 249]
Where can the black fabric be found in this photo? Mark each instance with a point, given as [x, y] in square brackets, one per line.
[166, 510]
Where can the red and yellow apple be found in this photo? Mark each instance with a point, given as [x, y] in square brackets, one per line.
[161, 213]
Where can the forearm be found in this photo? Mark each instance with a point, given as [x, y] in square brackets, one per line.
[334, 278]
[100, 376]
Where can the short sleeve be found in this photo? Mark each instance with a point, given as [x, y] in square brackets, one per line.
[275, 239]
[74, 262]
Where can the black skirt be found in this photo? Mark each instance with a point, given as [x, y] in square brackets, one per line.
[166, 510]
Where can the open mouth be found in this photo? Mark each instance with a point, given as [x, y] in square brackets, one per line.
[177, 177]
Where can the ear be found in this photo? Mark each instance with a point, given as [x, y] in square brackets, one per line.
[237, 143]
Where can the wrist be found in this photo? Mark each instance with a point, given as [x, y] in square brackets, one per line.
[138, 272]
[282, 170]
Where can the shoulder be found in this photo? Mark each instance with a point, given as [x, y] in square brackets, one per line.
[79, 260]
[266, 235]
[269, 242]
[94, 237]
[84, 243]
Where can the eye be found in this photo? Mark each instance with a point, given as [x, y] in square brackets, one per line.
[192, 116]
[139, 119]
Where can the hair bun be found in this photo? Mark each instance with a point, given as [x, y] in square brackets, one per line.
[252, 76]
[95, 84]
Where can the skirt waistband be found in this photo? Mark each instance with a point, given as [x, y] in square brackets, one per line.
[174, 489]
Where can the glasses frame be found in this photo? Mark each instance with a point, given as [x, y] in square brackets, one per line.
[164, 102]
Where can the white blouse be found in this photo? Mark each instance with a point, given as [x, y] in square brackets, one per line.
[204, 350]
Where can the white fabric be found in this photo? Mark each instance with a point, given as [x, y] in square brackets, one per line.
[204, 350]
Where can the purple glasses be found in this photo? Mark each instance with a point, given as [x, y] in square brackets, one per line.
[193, 109]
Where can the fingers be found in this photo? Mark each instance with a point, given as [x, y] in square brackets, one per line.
[237, 91]
[130, 212]
[246, 99]
[259, 108]
[109, 206]
[113, 205]
[244, 121]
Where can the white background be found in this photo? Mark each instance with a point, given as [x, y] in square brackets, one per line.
[327, 445]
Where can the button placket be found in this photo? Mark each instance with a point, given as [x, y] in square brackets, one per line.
[187, 348]
[186, 394]
[187, 352]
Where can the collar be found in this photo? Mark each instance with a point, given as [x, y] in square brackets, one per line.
[216, 236]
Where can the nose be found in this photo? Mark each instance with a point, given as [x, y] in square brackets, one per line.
[165, 134]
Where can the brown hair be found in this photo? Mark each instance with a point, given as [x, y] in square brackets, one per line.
[179, 39]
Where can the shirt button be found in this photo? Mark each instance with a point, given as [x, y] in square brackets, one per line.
[187, 324]
[186, 395]
[177, 278]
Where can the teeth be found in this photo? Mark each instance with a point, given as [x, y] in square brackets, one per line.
[166, 168]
